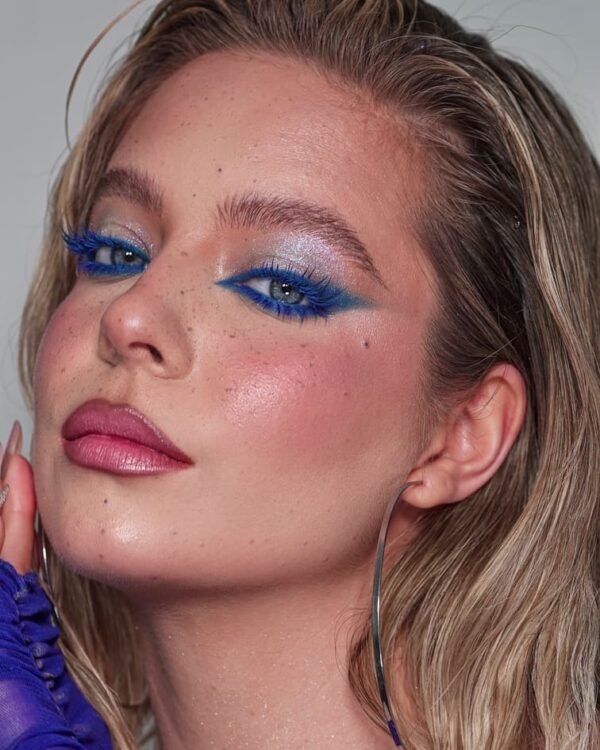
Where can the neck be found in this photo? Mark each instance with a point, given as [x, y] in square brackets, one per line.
[262, 669]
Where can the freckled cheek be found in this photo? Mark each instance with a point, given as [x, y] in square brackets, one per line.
[298, 400]
[64, 343]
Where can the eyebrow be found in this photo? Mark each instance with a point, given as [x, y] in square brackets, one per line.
[132, 185]
[252, 210]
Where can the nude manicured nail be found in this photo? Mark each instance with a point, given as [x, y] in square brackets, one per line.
[15, 441]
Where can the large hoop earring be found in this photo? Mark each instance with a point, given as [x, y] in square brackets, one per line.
[375, 617]
[43, 555]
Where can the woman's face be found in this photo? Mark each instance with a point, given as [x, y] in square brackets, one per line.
[299, 429]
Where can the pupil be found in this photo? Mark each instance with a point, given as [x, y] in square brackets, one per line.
[128, 256]
[281, 290]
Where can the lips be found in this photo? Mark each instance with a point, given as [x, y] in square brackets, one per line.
[119, 439]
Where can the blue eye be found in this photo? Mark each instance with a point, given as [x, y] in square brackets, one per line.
[103, 255]
[288, 293]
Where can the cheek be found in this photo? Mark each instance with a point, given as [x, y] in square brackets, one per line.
[61, 375]
[62, 345]
[53, 354]
[321, 403]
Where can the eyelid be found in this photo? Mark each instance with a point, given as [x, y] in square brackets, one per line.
[325, 298]
[303, 279]
[86, 242]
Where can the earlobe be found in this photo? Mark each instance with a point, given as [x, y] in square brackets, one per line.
[468, 449]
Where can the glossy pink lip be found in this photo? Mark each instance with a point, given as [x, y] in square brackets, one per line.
[119, 439]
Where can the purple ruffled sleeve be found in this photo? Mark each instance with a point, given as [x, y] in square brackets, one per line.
[40, 705]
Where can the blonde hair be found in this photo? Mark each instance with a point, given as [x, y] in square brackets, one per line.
[491, 617]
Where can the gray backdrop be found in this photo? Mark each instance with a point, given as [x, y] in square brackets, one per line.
[41, 42]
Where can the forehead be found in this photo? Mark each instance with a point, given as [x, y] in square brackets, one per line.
[234, 121]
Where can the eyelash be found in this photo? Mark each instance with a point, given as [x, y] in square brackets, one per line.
[323, 297]
[89, 242]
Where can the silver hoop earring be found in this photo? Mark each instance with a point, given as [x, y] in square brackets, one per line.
[375, 621]
[44, 559]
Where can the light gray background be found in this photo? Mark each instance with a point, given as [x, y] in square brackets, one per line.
[41, 42]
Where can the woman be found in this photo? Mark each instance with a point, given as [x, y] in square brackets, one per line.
[303, 259]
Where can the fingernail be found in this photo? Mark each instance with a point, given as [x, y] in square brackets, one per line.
[15, 440]
[4, 494]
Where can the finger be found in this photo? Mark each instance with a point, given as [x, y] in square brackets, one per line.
[18, 514]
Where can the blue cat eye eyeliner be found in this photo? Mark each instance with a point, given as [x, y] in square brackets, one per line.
[291, 294]
[87, 244]
[301, 295]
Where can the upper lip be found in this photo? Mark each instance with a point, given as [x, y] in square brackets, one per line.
[101, 417]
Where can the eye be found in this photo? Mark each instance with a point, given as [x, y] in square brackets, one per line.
[290, 293]
[105, 255]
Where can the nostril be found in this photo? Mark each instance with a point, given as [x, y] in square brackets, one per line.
[156, 355]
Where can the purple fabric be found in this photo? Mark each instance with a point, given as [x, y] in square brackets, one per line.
[40, 705]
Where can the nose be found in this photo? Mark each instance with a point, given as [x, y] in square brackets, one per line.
[145, 328]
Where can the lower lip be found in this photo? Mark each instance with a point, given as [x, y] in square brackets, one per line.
[118, 455]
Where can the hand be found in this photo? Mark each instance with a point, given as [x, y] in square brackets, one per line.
[18, 512]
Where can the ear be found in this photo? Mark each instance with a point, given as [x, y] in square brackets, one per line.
[468, 448]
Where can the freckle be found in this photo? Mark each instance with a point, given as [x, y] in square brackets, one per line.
[63, 369]
[193, 195]
[101, 556]
[232, 335]
[105, 500]
[184, 254]
[182, 292]
[155, 578]
[303, 346]
[228, 390]
[189, 329]
[103, 531]
[219, 169]
[251, 541]
[305, 544]
[310, 364]
[345, 393]
[173, 533]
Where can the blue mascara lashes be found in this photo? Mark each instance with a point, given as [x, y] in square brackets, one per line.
[122, 257]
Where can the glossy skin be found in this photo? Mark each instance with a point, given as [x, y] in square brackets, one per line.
[245, 569]
[299, 433]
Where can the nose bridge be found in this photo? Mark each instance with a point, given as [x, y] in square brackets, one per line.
[146, 325]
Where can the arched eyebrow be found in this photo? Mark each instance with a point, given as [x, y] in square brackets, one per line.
[132, 185]
[252, 210]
